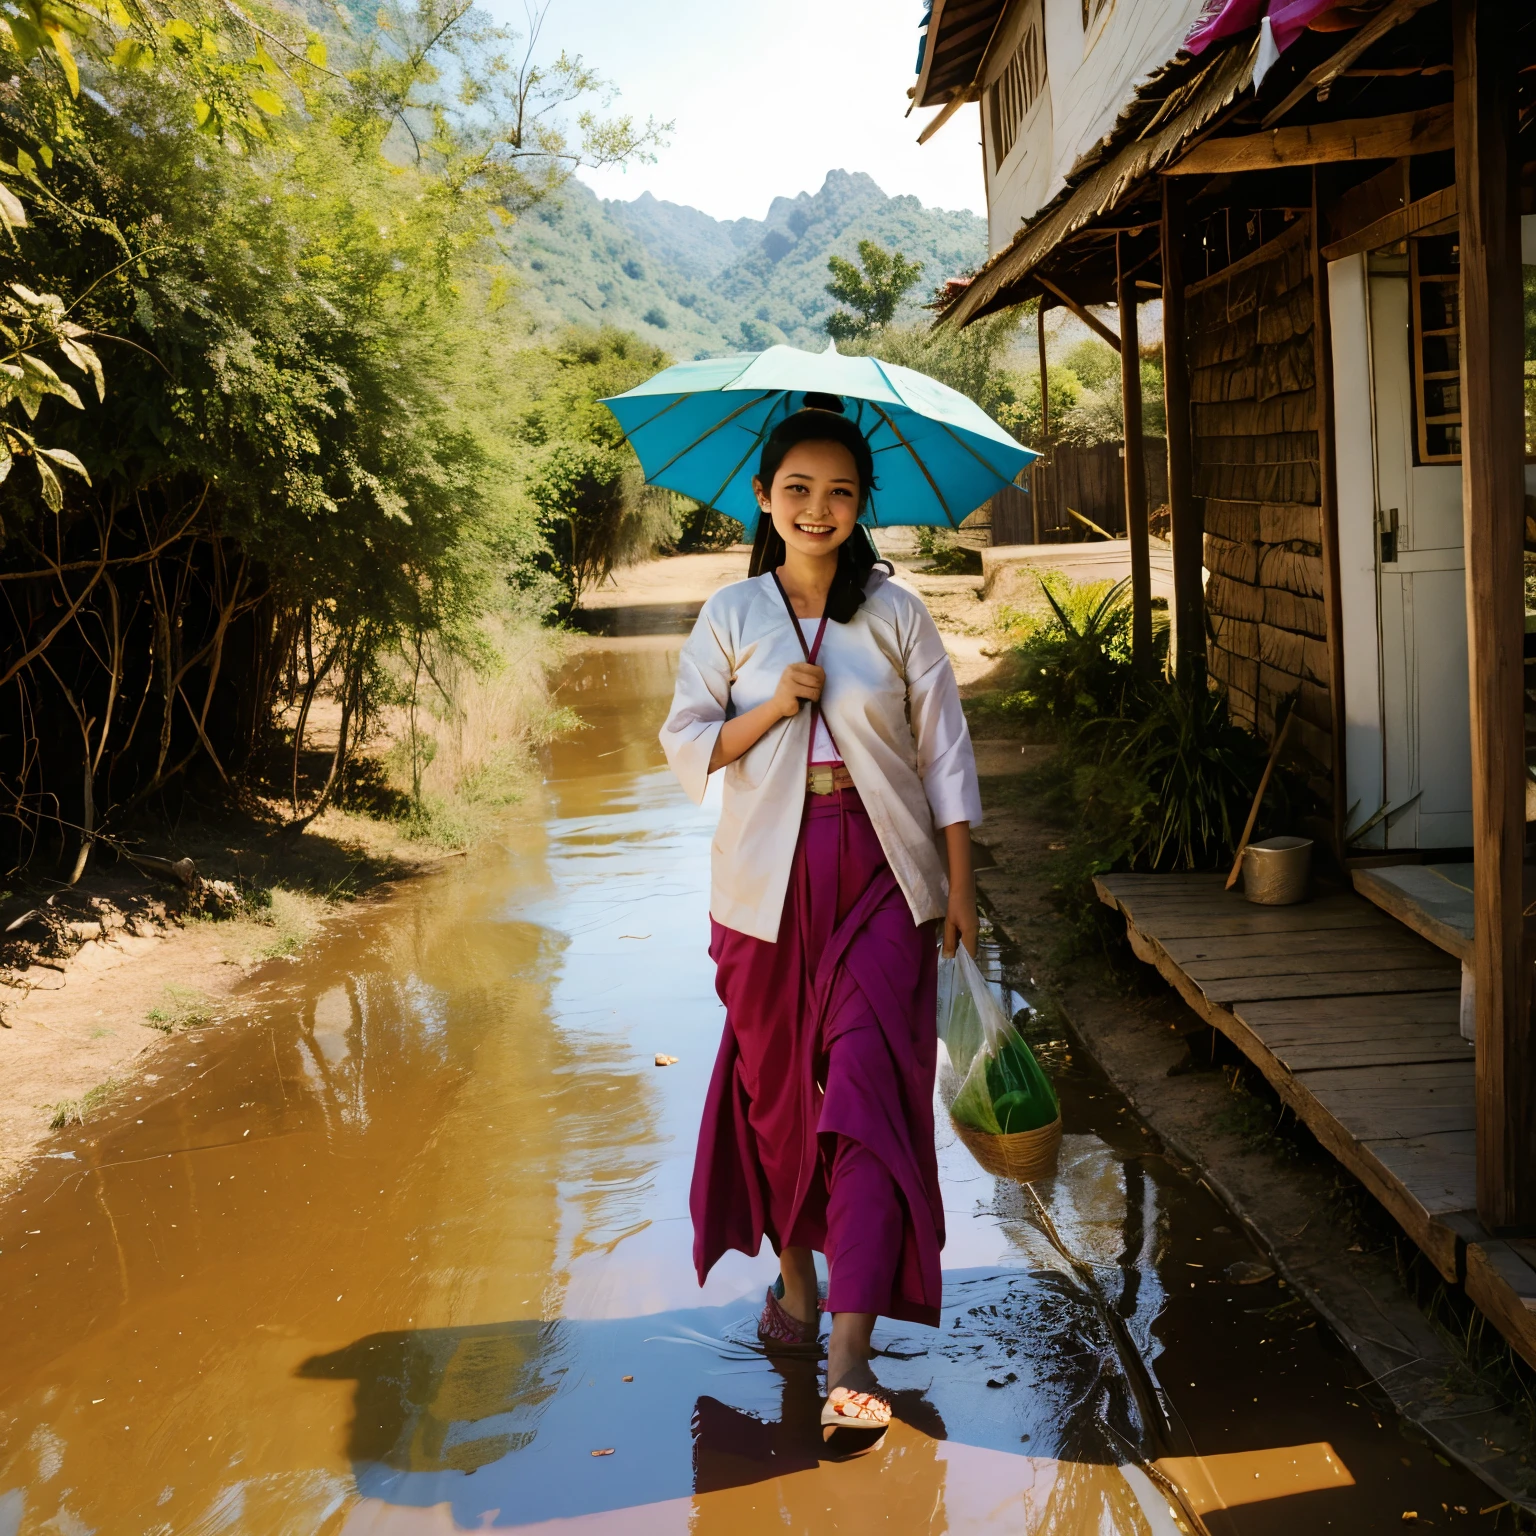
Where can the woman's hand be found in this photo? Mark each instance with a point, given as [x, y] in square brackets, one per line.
[961, 924]
[799, 680]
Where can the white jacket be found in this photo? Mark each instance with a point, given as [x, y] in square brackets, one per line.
[893, 708]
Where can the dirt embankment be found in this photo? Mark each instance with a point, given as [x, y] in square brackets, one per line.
[97, 977]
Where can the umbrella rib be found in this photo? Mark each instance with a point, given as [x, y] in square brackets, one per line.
[736, 471]
[991, 469]
[947, 428]
[932, 485]
[714, 427]
[676, 401]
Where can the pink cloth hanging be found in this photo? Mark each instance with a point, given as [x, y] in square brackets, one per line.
[1288, 19]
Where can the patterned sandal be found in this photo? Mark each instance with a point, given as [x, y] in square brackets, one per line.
[781, 1333]
[850, 1408]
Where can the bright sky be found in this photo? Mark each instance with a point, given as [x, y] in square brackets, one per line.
[766, 98]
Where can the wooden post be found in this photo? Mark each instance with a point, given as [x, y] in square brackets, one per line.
[1328, 497]
[1187, 530]
[1492, 490]
[1045, 415]
[1135, 465]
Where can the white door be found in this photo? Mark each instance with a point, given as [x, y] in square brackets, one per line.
[1425, 737]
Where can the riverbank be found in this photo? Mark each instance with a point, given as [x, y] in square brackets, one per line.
[98, 979]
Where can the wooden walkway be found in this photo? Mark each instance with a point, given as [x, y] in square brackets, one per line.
[1354, 1021]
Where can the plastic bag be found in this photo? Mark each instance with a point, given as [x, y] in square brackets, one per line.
[990, 1080]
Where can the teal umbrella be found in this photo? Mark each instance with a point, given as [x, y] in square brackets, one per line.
[698, 429]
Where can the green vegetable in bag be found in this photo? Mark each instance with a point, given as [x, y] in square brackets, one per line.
[972, 1106]
[1022, 1096]
[1001, 1089]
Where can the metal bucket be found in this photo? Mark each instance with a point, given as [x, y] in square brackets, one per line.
[1276, 871]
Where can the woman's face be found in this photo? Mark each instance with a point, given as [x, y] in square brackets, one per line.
[814, 499]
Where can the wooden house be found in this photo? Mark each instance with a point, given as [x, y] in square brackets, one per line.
[1338, 214]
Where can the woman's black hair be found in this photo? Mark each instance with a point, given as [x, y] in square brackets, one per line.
[821, 422]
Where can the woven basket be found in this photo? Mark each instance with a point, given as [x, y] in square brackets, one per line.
[1024, 1156]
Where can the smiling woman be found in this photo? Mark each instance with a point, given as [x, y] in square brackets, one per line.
[818, 1129]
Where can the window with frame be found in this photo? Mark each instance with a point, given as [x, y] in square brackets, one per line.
[1434, 268]
[1434, 279]
[1016, 90]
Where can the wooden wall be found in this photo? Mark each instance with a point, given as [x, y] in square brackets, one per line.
[1013, 518]
[1091, 480]
[1253, 387]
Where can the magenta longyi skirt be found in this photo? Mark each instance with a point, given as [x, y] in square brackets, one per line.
[818, 1126]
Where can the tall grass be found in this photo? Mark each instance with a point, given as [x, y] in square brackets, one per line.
[487, 718]
[461, 740]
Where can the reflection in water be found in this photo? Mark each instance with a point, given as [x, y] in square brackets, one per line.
[399, 1248]
[733, 1449]
[425, 1399]
[1020, 1359]
[1250, 1477]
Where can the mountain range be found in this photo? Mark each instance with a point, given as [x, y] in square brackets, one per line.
[700, 286]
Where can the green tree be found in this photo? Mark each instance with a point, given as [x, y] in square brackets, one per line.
[873, 290]
[1098, 413]
[439, 83]
[306, 472]
[583, 478]
[1095, 363]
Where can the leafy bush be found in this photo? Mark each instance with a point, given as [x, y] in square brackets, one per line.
[1171, 789]
[700, 529]
[1156, 773]
[946, 555]
[595, 511]
[1075, 662]
[1095, 363]
[300, 462]
[1097, 414]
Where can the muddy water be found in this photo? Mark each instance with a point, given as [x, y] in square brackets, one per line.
[399, 1247]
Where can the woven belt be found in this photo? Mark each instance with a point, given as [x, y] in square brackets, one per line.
[825, 778]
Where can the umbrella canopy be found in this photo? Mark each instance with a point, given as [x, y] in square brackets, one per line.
[698, 429]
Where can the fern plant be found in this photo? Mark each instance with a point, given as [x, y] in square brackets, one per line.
[1200, 772]
[1076, 666]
